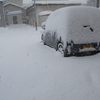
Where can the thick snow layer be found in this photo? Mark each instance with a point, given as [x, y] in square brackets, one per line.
[45, 13]
[80, 24]
[14, 13]
[30, 70]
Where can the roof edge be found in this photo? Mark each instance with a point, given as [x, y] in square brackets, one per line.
[13, 5]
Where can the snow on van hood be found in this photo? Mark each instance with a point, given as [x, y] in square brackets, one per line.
[76, 23]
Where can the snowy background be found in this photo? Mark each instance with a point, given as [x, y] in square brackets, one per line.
[28, 1]
[30, 70]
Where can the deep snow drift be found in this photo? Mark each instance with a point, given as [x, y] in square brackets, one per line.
[30, 70]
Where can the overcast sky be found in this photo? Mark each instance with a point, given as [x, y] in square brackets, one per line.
[28, 1]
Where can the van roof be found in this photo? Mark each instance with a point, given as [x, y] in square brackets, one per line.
[81, 23]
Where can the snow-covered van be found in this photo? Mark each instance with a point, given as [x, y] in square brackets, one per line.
[73, 30]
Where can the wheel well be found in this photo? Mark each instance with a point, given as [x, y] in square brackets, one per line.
[59, 41]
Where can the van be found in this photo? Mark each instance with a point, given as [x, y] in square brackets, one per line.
[73, 30]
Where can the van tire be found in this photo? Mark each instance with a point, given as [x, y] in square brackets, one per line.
[60, 47]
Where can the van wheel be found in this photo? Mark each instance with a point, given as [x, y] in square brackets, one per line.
[60, 48]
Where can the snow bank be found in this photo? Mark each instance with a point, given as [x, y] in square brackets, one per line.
[80, 24]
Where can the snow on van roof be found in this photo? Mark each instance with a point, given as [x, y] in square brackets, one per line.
[79, 23]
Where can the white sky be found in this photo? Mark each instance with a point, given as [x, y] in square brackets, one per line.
[28, 1]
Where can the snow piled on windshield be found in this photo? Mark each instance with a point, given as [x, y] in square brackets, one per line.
[80, 24]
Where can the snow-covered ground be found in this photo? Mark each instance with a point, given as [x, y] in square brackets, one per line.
[30, 70]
